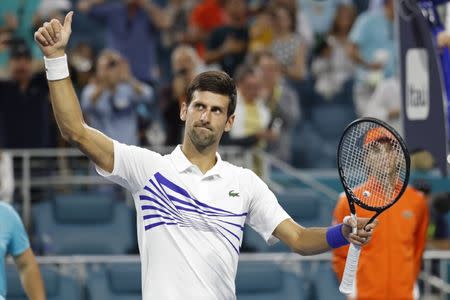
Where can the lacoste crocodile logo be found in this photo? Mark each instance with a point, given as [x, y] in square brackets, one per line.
[232, 193]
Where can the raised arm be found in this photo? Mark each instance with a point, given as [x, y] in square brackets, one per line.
[52, 39]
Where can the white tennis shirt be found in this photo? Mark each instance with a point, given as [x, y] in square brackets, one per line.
[190, 224]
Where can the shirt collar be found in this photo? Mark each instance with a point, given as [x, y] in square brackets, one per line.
[182, 163]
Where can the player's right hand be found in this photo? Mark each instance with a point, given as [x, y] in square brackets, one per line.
[52, 37]
[363, 233]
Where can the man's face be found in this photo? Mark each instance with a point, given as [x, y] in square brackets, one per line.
[108, 68]
[250, 86]
[184, 62]
[21, 68]
[382, 158]
[283, 19]
[236, 9]
[270, 70]
[206, 118]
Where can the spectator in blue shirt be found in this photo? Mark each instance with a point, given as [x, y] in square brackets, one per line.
[110, 102]
[131, 29]
[14, 241]
[372, 49]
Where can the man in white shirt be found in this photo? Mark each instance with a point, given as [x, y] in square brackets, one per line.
[191, 206]
[385, 103]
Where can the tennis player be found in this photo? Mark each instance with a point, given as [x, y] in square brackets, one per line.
[191, 205]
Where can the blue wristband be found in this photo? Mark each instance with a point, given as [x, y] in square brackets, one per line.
[335, 238]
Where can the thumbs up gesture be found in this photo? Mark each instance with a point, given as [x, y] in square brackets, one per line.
[52, 37]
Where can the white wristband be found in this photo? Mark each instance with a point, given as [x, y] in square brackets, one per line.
[56, 68]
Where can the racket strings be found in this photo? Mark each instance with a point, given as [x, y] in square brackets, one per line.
[373, 164]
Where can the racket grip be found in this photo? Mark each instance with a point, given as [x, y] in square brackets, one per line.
[351, 266]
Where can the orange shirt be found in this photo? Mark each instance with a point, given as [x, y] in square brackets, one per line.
[390, 263]
[207, 16]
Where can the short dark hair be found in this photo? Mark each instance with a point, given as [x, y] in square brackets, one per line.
[290, 12]
[217, 82]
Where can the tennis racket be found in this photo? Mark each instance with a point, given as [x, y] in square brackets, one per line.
[373, 164]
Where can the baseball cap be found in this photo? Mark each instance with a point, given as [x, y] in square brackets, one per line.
[376, 134]
[19, 49]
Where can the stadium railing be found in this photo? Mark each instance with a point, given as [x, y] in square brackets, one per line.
[50, 168]
[303, 266]
[58, 167]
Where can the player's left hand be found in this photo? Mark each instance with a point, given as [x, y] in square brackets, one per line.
[364, 232]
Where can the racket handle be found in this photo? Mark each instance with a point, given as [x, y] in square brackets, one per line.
[351, 266]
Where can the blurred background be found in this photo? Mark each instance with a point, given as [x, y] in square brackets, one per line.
[304, 69]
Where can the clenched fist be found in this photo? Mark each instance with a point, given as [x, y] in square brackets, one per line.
[52, 37]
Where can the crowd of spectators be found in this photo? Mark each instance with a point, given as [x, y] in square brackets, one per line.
[131, 61]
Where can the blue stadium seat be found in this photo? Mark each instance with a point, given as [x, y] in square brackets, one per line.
[267, 281]
[83, 223]
[307, 96]
[57, 286]
[121, 281]
[312, 150]
[330, 120]
[438, 183]
[305, 206]
[315, 142]
[325, 283]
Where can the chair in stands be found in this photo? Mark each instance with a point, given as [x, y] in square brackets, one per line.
[330, 120]
[311, 149]
[119, 281]
[57, 286]
[315, 142]
[83, 223]
[267, 281]
[325, 283]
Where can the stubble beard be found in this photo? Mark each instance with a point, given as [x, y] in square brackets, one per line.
[201, 141]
